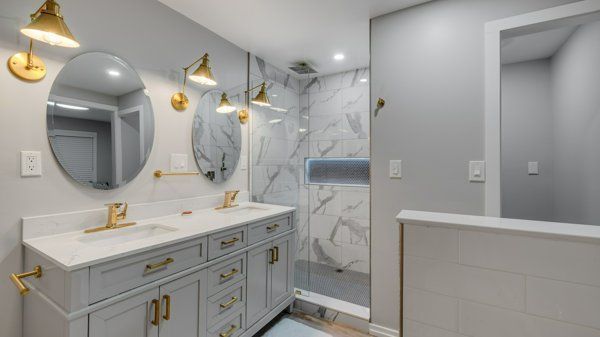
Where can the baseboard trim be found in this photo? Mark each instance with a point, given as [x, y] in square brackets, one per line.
[381, 331]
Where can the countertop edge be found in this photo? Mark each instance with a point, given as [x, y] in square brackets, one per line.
[542, 229]
[70, 268]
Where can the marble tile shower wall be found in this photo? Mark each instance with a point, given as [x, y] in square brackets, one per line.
[334, 122]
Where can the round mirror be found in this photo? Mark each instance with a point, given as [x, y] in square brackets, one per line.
[100, 121]
[216, 138]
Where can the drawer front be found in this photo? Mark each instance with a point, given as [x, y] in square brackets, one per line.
[222, 304]
[226, 273]
[223, 243]
[266, 229]
[233, 326]
[118, 276]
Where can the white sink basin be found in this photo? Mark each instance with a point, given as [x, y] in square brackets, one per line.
[123, 235]
[243, 210]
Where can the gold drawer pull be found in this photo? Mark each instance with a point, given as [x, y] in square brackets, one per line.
[16, 279]
[230, 303]
[156, 320]
[230, 274]
[229, 332]
[229, 242]
[276, 258]
[167, 315]
[272, 252]
[150, 268]
[272, 227]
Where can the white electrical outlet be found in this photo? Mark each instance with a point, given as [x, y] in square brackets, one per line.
[244, 162]
[31, 163]
[179, 162]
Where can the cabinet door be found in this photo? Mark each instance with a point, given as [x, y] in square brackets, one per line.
[131, 317]
[258, 296]
[181, 312]
[282, 270]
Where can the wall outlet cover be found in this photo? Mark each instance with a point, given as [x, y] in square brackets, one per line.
[179, 162]
[244, 162]
[477, 171]
[533, 168]
[31, 163]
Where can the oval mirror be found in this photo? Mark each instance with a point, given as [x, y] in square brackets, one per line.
[100, 121]
[216, 138]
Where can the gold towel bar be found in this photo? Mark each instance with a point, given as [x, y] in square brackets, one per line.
[16, 279]
[159, 173]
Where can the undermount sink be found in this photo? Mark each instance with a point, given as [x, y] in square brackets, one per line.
[123, 235]
[243, 210]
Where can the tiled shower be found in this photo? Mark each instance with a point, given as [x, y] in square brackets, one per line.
[323, 120]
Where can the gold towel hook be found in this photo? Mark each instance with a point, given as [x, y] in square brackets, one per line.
[16, 279]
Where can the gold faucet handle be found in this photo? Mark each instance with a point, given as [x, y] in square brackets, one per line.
[123, 214]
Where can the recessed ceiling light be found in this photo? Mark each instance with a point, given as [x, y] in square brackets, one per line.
[278, 109]
[274, 95]
[302, 130]
[363, 80]
[275, 121]
[113, 73]
[338, 57]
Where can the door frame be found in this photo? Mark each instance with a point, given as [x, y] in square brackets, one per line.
[494, 32]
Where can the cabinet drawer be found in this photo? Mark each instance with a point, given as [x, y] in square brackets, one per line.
[265, 229]
[226, 273]
[226, 242]
[224, 303]
[233, 326]
[111, 278]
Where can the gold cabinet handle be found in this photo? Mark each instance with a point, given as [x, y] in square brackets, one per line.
[230, 274]
[229, 242]
[272, 252]
[156, 320]
[229, 332]
[16, 279]
[229, 303]
[167, 315]
[272, 227]
[276, 250]
[150, 268]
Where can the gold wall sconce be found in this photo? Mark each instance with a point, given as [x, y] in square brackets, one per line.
[225, 106]
[16, 279]
[261, 99]
[203, 75]
[47, 25]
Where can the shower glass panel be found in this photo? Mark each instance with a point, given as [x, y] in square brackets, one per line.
[314, 117]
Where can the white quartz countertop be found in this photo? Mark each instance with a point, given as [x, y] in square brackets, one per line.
[514, 226]
[72, 250]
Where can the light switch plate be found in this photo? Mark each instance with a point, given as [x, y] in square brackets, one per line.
[31, 163]
[477, 171]
[179, 162]
[395, 169]
[533, 168]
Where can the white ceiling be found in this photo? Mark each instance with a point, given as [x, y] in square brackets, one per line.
[534, 46]
[287, 31]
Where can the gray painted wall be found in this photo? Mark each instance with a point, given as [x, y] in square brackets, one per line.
[527, 135]
[576, 78]
[427, 62]
[157, 43]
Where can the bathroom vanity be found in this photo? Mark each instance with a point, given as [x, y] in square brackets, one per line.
[214, 273]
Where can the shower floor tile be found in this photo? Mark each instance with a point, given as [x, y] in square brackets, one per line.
[348, 285]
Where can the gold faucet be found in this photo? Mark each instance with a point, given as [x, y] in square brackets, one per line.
[229, 199]
[114, 215]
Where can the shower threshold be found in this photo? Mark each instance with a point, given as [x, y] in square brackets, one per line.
[344, 307]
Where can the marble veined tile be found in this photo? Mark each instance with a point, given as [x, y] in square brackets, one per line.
[270, 151]
[356, 148]
[325, 127]
[355, 257]
[326, 252]
[355, 99]
[353, 78]
[355, 204]
[276, 178]
[355, 231]
[325, 103]
[355, 125]
[327, 227]
[325, 148]
[325, 200]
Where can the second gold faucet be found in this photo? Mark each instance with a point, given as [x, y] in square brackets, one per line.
[229, 199]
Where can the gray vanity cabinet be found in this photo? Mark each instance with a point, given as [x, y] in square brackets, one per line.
[171, 310]
[270, 272]
[131, 317]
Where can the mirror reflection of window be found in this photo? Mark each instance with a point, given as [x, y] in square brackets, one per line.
[550, 124]
[100, 121]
